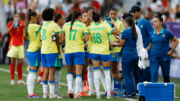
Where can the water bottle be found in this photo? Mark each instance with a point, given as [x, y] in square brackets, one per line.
[16, 23]
[109, 20]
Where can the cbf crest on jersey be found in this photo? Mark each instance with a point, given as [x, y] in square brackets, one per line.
[163, 35]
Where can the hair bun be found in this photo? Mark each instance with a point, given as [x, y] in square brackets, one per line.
[111, 6]
[93, 13]
[160, 14]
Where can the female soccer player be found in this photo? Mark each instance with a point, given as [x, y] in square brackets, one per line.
[16, 47]
[115, 51]
[159, 46]
[33, 51]
[84, 19]
[90, 68]
[129, 54]
[99, 34]
[49, 51]
[73, 33]
[59, 19]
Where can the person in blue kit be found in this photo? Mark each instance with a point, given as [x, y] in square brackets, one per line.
[160, 53]
[146, 28]
[129, 55]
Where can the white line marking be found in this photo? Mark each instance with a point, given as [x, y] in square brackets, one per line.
[5, 70]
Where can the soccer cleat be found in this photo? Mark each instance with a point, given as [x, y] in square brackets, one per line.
[84, 94]
[99, 97]
[59, 95]
[67, 95]
[41, 83]
[91, 93]
[54, 96]
[33, 96]
[86, 88]
[20, 82]
[71, 95]
[80, 94]
[114, 93]
[38, 81]
[109, 97]
[105, 94]
[77, 97]
[45, 95]
[12, 82]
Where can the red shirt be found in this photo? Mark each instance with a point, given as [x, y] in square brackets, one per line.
[16, 34]
[60, 12]
[96, 5]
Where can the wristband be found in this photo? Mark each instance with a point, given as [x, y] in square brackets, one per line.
[121, 72]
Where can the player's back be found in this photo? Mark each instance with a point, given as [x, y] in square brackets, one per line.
[99, 34]
[48, 45]
[74, 38]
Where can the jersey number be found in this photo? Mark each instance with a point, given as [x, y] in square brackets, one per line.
[44, 34]
[97, 38]
[74, 34]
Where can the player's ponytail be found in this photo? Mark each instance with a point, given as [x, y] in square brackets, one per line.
[131, 23]
[75, 15]
[95, 17]
[68, 19]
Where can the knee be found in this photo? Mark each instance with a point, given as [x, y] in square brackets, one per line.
[46, 72]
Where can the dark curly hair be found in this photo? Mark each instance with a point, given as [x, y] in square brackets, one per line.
[48, 14]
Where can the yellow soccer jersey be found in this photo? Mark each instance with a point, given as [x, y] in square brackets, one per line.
[99, 34]
[74, 38]
[120, 27]
[48, 45]
[34, 37]
[60, 56]
[89, 42]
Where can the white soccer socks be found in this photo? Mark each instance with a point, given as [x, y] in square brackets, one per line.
[57, 80]
[108, 80]
[45, 87]
[102, 77]
[82, 85]
[31, 81]
[70, 81]
[96, 80]
[90, 79]
[78, 84]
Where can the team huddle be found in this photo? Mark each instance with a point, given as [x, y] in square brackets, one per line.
[94, 45]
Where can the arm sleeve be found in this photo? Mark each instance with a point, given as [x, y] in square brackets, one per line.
[170, 35]
[56, 29]
[9, 25]
[109, 29]
[124, 35]
[85, 30]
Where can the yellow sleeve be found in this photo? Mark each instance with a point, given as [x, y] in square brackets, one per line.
[121, 28]
[85, 30]
[109, 29]
[56, 29]
[37, 28]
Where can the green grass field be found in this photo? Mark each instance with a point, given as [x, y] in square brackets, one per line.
[19, 92]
